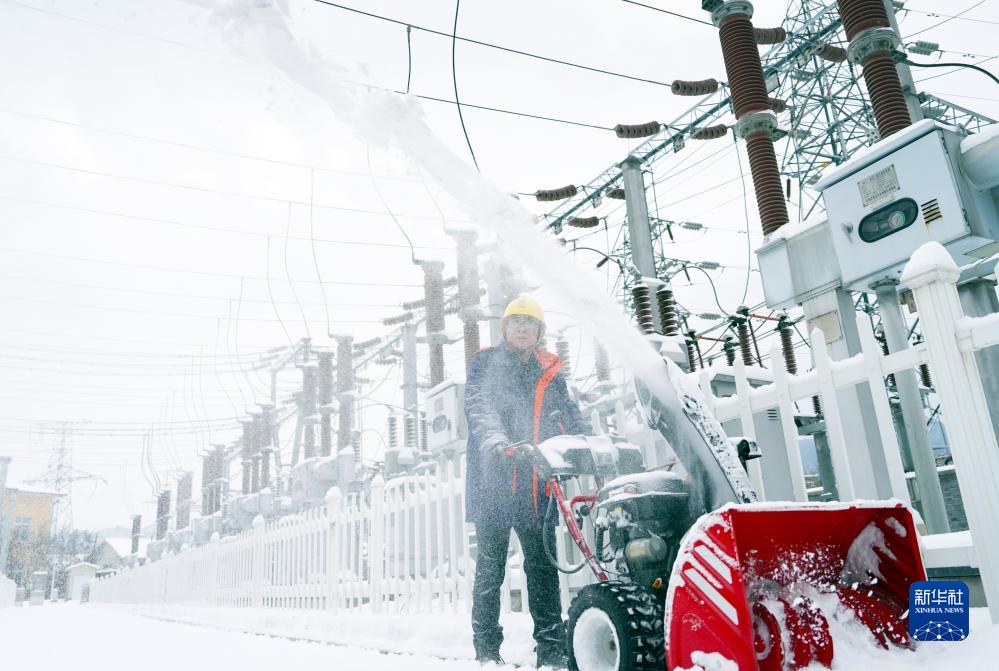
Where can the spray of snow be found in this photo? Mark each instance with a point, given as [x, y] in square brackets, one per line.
[710, 661]
[263, 29]
[864, 557]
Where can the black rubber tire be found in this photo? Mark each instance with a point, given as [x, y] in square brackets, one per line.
[637, 618]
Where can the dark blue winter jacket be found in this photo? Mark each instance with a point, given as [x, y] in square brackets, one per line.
[508, 401]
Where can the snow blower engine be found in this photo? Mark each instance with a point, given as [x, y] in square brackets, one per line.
[692, 571]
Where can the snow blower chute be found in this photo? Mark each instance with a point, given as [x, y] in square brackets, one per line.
[690, 568]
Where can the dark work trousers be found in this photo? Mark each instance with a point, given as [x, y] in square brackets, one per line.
[544, 599]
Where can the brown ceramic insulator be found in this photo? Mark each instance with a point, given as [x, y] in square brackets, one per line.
[787, 348]
[816, 406]
[409, 431]
[616, 194]
[393, 432]
[694, 88]
[745, 346]
[709, 132]
[743, 65]
[643, 308]
[637, 130]
[424, 436]
[777, 105]
[924, 376]
[832, 53]
[583, 222]
[729, 349]
[549, 195]
[691, 356]
[860, 15]
[769, 35]
[562, 350]
[668, 318]
[471, 337]
[887, 98]
[766, 181]
[601, 362]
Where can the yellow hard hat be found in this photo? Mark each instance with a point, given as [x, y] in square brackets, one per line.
[524, 305]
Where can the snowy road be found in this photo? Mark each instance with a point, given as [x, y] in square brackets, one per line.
[98, 638]
[91, 638]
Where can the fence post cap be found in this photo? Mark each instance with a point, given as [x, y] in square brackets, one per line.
[333, 495]
[258, 522]
[930, 263]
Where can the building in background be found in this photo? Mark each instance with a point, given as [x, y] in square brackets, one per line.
[28, 529]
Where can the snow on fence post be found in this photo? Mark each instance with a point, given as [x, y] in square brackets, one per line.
[874, 365]
[785, 408]
[376, 543]
[333, 548]
[931, 275]
[834, 421]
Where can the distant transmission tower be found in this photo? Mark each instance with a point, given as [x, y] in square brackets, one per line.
[59, 477]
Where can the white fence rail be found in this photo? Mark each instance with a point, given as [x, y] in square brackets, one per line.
[406, 546]
[8, 592]
[403, 547]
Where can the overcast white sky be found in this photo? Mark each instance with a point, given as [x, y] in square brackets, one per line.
[145, 172]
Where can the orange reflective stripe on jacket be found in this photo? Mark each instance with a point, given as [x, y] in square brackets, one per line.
[551, 365]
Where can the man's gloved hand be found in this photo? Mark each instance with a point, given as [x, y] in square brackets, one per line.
[522, 450]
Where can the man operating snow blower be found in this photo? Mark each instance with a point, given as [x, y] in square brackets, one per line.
[514, 399]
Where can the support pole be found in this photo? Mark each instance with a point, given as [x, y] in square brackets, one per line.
[639, 227]
[325, 401]
[345, 400]
[410, 391]
[911, 404]
[433, 290]
[468, 292]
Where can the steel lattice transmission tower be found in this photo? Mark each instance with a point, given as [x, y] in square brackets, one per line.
[829, 113]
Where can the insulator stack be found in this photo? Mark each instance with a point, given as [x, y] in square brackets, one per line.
[355, 444]
[602, 362]
[409, 431]
[745, 346]
[414, 305]
[616, 194]
[550, 195]
[872, 42]
[729, 348]
[393, 432]
[400, 319]
[924, 376]
[766, 180]
[831, 53]
[468, 293]
[637, 130]
[700, 87]
[325, 399]
[433, 290]
[787, 347]
[365, 344]
[691, 355]
[777, 105]
[769, 35]
[751, 105]
[424, 446]
[345, 389]
[583, 222]
[643, 308]
[709, 132]
[668, 317]
[562, 350]
[816, 406]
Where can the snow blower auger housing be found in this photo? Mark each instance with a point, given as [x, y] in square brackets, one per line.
[753, 583]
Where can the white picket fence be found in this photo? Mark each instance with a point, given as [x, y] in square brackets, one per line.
[402, 547]
[8, 592]
[406, 547]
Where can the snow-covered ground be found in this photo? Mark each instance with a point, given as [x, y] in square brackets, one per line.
[97, 638]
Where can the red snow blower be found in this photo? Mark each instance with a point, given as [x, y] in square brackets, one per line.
[752, 583]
